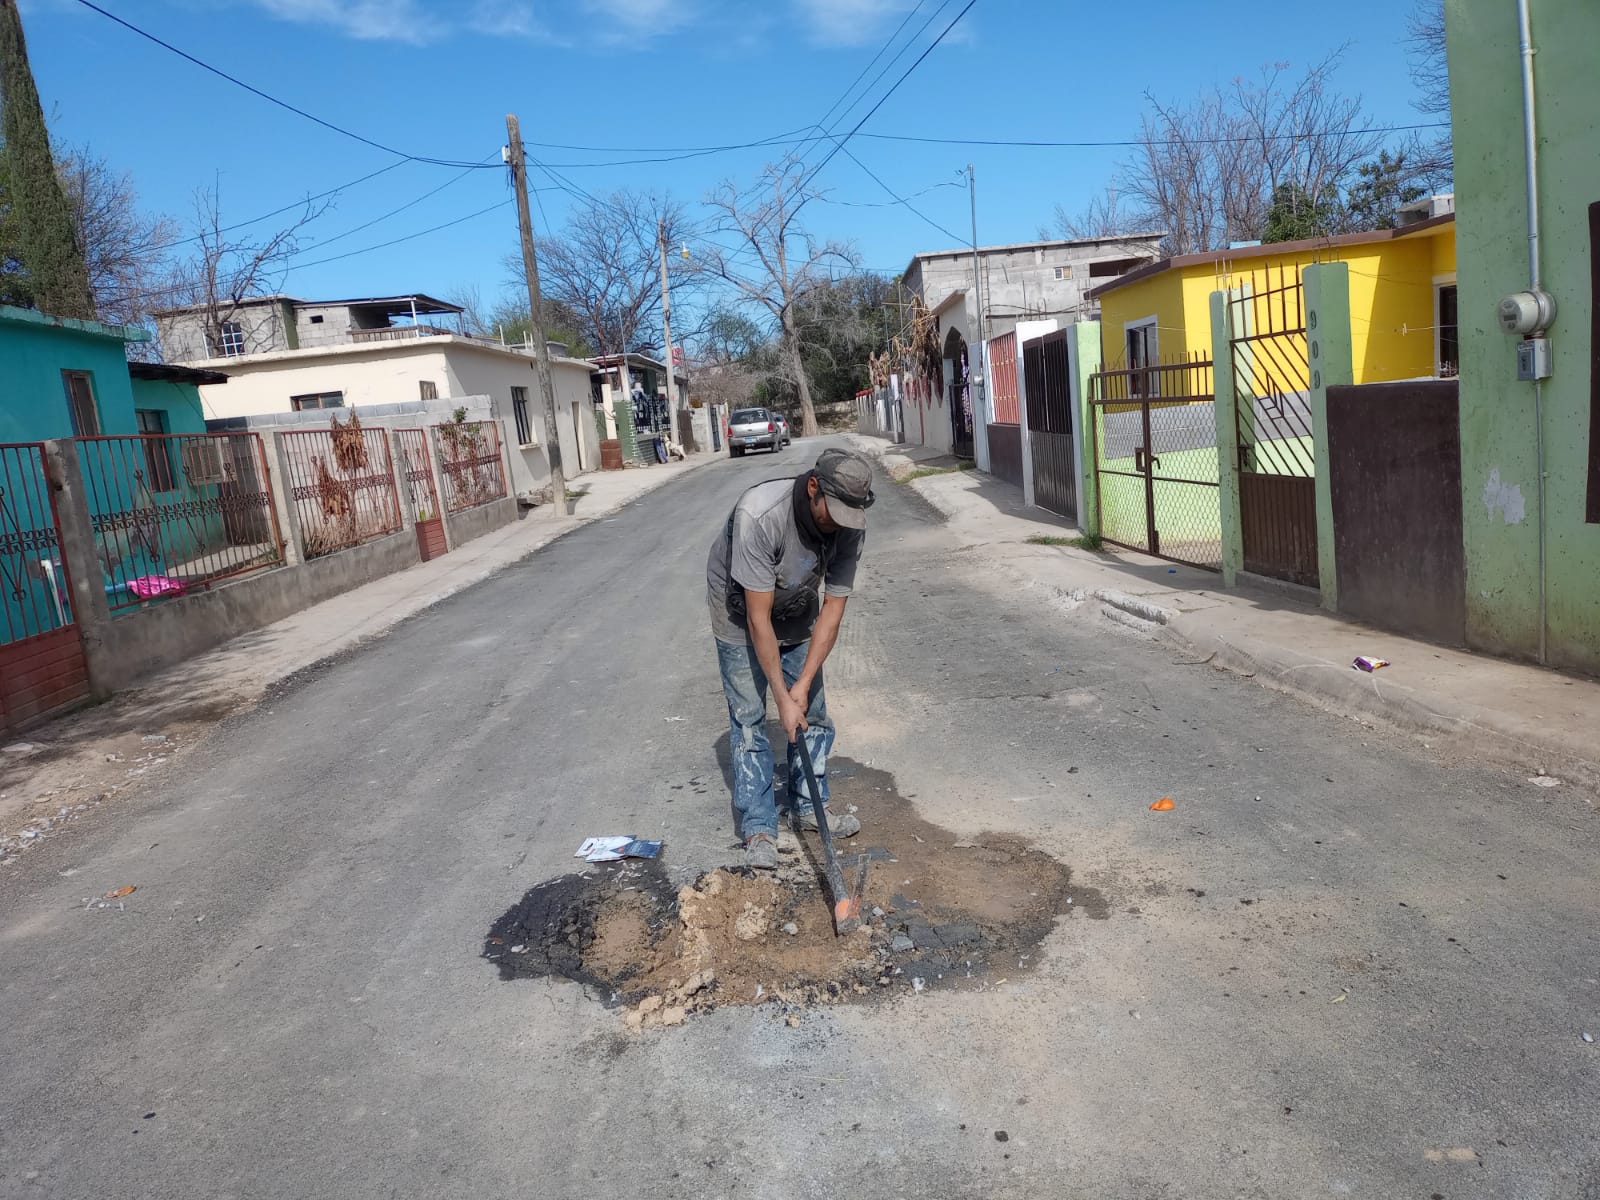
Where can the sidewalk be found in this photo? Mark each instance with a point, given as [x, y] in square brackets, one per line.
[59, 770]
[1534, 718]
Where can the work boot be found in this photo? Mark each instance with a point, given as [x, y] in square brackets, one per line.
[761, 852]
[839, 824]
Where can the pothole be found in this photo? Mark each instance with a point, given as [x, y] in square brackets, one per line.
[942, 912]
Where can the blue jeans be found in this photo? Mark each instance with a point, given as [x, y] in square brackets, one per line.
[745, 685]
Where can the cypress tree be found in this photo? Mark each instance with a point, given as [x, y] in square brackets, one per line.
[40, 227]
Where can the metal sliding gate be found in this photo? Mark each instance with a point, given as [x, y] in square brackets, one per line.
[1047, 387]
[1277, 454]
[42, 665]
[1155, 447]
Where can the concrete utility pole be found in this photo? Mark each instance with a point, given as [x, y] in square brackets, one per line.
[666, 334]
[530, 264]
[980, 411]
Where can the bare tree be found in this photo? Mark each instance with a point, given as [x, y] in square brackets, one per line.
[125, 248]
[1100, 218]
[226, 271]
[1208, 173]
[603, 266]
[776, 264]
[1425, 46]
[468, 297]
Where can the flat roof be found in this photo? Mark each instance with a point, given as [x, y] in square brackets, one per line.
[438, 341]
[173, 373]
[31, 316]
[400, 304]
[1268, 249]
[1047, 244]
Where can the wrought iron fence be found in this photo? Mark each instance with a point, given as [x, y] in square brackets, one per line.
[34, 597]
[176, 512]
[417, 470]
[469, 463]
[342, 483]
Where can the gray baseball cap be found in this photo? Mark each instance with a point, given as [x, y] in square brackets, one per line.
[846, 479]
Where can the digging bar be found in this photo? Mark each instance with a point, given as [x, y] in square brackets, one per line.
[846, 901]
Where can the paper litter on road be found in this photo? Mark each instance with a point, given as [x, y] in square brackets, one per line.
[610, 849]
[1368, 663]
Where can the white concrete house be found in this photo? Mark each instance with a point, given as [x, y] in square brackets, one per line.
[438, 367]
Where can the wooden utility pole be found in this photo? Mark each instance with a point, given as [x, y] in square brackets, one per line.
[666, 334]
[530, 265]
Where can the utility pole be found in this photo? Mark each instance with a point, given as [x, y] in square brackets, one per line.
[666, 333]
[530, 265]
[980, 411]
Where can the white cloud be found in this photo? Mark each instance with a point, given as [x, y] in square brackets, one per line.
[376, 20]
[851, 22]
[420, 22]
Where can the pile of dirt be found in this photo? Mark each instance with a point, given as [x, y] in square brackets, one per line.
[941, 912]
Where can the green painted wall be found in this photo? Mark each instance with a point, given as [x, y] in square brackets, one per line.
[180, 401]
[1085, 358]
[34, 350]
[1499, 471]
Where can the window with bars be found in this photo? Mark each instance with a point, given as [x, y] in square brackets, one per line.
[232, 339]
[80, 403]
[158, 472]
[428, 388]
[1447, 337]
[316, 400]
[519, 409]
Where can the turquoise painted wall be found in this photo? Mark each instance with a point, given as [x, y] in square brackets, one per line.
[1499, 469]
[34, 350]
[180, 401]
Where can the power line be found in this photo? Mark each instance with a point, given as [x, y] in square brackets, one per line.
[271, 99]
[333, 191]
[1210, 141]
[932, 46]
[394, 212]
[932, 187]
[677, 153]
[410, 237]
[896, 197]
[906, 20]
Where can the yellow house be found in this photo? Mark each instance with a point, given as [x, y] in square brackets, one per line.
[1402, 299]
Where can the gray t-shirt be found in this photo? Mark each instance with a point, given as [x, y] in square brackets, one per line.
[767, 554]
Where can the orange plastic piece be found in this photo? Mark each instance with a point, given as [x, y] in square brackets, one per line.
[1164, 804]
[125, 890]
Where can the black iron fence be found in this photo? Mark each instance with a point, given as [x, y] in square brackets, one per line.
[175, 512]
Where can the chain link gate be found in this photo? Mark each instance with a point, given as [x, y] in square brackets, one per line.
[1272, 412]
[1155, 452]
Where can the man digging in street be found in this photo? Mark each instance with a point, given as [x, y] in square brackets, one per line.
[785, 540]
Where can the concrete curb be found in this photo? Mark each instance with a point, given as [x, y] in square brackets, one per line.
[1153, 614]
[1354, 694]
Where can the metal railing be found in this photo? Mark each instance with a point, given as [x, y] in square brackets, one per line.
[397, 333]
[469, 463]
[341, 482]
[176, 512]
[34, 596]
[416, 468]
[1178, 379]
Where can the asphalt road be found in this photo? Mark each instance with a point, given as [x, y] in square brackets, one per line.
[1343, 965]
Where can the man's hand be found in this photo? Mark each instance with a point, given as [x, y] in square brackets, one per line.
[800, 693]
[792, 716]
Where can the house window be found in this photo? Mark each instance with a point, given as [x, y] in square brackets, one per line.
[1063, 272]
[317, 320]
[519, 409]
[428, 388]
[232, 339]
[1447, 340]
[316, 400]
[158, 472]
[80, 403]
[1142, 352]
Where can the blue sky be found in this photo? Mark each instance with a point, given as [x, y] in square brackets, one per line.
[435, 78]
